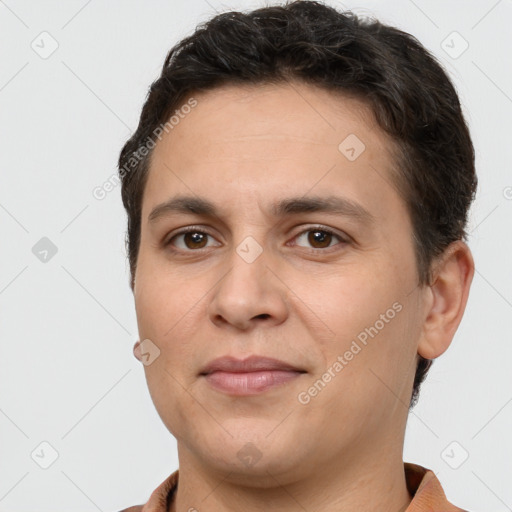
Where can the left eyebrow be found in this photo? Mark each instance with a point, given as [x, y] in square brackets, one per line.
[184, 204]
[331, 204]
[283, 208]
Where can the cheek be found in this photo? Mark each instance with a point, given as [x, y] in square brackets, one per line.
[385, 365]
[376, 376]
[349, 302]
[373, 328]
[161, 300]
[165, 314]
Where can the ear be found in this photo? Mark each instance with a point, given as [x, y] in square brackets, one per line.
[451, 281]
[137, 352]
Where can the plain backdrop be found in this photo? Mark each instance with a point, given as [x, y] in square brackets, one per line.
[73, 78]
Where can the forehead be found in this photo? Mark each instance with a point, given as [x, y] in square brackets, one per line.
[266, 140]
[277, 113]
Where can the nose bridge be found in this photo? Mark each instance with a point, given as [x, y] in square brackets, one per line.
[248, 292]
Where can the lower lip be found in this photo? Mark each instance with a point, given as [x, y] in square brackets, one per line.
[250, 383]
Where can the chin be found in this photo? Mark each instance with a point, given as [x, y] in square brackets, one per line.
[250, 471]
[253, 453]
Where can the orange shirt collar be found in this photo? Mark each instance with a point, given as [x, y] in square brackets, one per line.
[422, 483]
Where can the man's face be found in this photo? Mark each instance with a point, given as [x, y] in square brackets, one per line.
[343, 308]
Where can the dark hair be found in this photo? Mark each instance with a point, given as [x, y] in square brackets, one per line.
[409, 93]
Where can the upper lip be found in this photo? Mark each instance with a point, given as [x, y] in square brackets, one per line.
[249, 364]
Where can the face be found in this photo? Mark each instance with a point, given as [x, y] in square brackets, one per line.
[269, 271]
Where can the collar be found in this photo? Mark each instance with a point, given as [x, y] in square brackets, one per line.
[422, 484]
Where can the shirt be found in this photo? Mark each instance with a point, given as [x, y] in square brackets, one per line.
[422, 484]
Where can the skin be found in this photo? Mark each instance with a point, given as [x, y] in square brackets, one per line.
[302, 300]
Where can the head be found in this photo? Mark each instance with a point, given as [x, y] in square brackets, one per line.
[297, 101]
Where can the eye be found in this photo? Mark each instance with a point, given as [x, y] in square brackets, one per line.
[193, 239]
[320, 237]
[189, 239]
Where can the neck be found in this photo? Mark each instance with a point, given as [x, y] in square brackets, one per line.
[364, 483]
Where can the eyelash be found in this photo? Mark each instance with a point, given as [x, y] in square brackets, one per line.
[323, 229]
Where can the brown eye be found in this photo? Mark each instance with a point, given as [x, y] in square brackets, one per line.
[189, 240]
[319, 238]
[195, 240]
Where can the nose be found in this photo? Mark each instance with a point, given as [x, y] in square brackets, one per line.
[249, 294]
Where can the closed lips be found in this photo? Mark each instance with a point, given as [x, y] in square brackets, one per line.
[251, 364]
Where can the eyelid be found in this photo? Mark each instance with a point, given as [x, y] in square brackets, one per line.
[343, 237]
[185, 230]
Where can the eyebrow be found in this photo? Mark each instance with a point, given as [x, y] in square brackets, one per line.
[285, 207]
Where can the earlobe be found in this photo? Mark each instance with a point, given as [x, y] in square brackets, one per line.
[137, 351]
[450, 289]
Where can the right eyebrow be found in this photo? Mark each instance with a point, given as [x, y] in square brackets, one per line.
[183, 204]
[285, 207]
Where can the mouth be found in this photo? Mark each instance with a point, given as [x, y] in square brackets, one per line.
[250, 376]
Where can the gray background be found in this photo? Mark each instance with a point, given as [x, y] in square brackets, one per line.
[67, 324]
